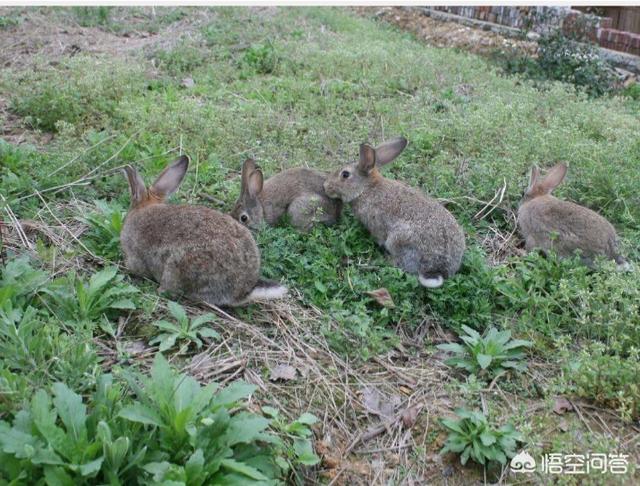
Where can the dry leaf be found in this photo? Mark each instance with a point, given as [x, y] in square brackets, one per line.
[410, 415]
[188, 83]
[562, 405]
[382, 297]
[283, 372]
[377, 404]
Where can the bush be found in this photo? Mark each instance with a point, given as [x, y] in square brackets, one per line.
[570, 59]
[564, 59]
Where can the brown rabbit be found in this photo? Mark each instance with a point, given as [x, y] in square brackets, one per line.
[422, 237]
[297, 192]
[190, 250]
[547, 223]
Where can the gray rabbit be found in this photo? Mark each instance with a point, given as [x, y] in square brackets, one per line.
[422, 237]
[190, 250]
[297, 192]
[548, 223]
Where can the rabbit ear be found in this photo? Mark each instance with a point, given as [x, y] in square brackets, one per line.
[367, 158]
[248, 167]
[136, 185]
[388, 151]
[254, 186]
[167, 182]
[554, 177]
[533, 178]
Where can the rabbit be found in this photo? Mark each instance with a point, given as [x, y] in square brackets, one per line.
[297, 192]
[190, 250]
[548, 223]
[421, 236]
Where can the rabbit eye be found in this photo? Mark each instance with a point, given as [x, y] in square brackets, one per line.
[345, 174]
[244, 218]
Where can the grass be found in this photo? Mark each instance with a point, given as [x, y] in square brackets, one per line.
[295, 87]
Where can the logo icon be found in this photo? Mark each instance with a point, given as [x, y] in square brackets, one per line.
[523, 463]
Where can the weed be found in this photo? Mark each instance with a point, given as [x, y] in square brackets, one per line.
[84, 96]
[490, 355]
[608, 379]
[262, 59]
[105, 225]
[92, 16]
[19, 283]
[571, 59]
[185, 329]
[182, 59]
[200, 431]
[7, 22]
[472, 437]
[73, 299]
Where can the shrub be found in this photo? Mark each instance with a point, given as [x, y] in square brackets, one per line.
[472, 437]
[565, 59]
[572, 59]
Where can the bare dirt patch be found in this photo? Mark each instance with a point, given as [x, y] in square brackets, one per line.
[446, 34]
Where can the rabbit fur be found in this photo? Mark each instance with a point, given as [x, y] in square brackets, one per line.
[422, 237]
[190, 250]
[548, 223]
[297, 192]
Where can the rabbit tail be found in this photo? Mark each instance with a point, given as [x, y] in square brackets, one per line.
[267, 290]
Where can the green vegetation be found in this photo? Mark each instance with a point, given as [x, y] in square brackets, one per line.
[609, 380]
[294, 87]
[472, 437]
[105, 224]
[191, 330]
[490, 355]
[570, 57]
[173, 431]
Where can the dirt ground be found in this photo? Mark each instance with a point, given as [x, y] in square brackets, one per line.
[446, 34]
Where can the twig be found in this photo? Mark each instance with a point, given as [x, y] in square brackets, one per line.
[67, 229]
[84, 180]
[577, 409]
[499, 195]
[384, 449]
[16, 223]
[67, 164]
